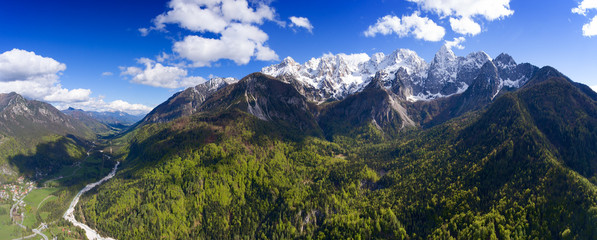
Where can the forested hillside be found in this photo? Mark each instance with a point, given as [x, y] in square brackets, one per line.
[521, 168]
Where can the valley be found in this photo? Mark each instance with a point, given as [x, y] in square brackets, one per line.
[346, 146]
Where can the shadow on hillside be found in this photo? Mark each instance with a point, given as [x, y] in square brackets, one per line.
[49, 157]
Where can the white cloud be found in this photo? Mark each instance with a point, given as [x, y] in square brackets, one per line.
[99, 105]
[212, 15]
[158, 75]
[65, 95]
[589, 29]
[489, 9]
[420, 27]
[144, 31]
[465, 25]
[301, 22]
[37, 77]
[105, 74]
[462, 11]
[239, 43]
[457, 43]
[584, 6]
[120, 105]
[228, 29]
[18, 64]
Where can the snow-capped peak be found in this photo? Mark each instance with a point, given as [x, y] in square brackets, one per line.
[216, 83]
[444, 54]
[342, 74]
[336, 76]
[504, 61]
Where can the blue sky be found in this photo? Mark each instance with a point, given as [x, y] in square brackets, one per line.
[133, 55]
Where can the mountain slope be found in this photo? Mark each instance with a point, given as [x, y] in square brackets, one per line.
[266, 98]
[24, 118]
[566, 116]
[242, 166]
[373, 106]
[185, 103]
[36, 138]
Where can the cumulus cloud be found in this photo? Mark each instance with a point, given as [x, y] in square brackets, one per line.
[123, 106]
[465, 26]
[584, 6]
[489, 9]
[224, 29]
[158, 75]
[588, 29]
[212, 15]
[18, 64]
[461, 12]
[38, 77]
[415, 25]
[301, 22]
[456, 43]
[99, 105]
[239, 43]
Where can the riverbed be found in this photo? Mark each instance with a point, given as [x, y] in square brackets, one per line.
[70, 216]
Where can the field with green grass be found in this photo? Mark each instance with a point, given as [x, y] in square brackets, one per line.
[34, 202]
[8, 230]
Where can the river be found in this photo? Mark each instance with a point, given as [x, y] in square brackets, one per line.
[69, 215]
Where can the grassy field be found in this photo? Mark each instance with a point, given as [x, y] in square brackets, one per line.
[35, 200]
[36, 196]
[7, 229]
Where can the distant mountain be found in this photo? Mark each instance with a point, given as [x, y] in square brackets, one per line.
[22, 118]
[110, 118]
[185, 103]
[36, 138]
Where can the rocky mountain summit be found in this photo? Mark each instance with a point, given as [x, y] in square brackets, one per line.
[334, 77]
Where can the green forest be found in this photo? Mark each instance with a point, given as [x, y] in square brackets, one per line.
[523, 168]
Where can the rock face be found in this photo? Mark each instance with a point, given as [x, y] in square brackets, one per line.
[20, 117]
[334, 77]
[266, 98]
[185, 103]
[374, 105]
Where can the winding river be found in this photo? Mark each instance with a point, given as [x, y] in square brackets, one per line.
[70, 216]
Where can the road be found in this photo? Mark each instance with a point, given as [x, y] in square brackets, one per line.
[23, 215]
[36, 231]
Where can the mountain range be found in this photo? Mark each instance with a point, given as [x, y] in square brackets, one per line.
[115, 118]
[354, 146]
[333, 77]
[394, 91]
